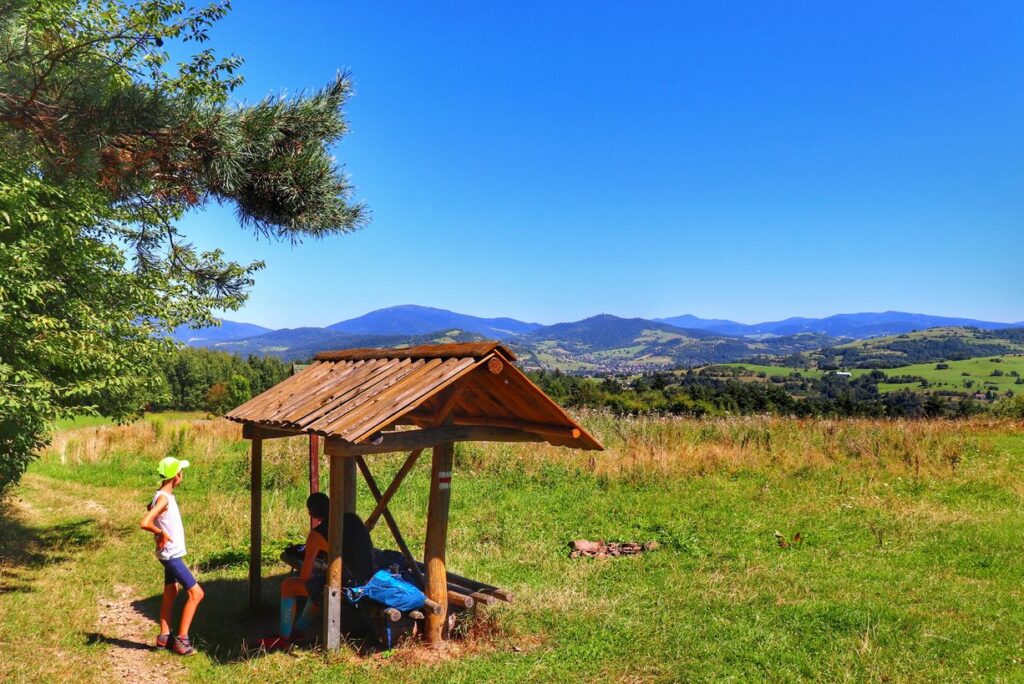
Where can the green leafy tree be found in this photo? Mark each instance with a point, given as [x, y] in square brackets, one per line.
[217, 398]
[239, 391]
[1010, 407]
[105, 145]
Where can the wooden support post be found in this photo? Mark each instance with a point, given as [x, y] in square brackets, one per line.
[437, 538]
[255, 522]
[348, 501]
[332, 591]
[314, 464]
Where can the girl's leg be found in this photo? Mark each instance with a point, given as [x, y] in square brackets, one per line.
[284, 626]
[291, 589]
[310, 613]
[195, 595]
[167, 606]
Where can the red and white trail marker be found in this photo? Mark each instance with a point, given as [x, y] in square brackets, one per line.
[444, 479]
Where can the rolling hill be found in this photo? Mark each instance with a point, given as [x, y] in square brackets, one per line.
[855, 325]
[227, 330]
[607, 343]
[410, 319]
[298, 344]
[610, 344]
[925, 346]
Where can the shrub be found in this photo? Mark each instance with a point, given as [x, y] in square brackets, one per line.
[1011, 407]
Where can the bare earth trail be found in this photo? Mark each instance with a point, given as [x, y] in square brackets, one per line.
[130, 635]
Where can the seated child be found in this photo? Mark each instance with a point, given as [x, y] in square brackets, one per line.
[308, 584]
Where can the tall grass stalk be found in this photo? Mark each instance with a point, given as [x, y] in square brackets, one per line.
[636, 447]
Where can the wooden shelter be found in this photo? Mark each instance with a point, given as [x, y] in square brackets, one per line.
[372, 401]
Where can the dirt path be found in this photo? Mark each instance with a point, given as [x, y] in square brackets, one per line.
[131, 636]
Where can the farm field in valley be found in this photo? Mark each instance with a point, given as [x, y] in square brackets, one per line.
[978, 372]
[966, 376]
[909, 566]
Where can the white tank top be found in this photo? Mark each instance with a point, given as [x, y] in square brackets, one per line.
[170, 522]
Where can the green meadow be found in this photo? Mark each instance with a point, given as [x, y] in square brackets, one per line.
[909, 565]
[966, 376]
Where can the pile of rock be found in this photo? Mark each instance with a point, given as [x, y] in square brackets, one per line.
[602, 549]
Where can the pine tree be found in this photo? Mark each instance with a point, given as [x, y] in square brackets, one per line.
[106, 145]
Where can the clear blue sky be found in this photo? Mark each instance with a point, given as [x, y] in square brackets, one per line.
[554, 160]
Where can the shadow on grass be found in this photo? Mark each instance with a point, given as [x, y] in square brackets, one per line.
[97, 638]
[225, 629]
[25, 548]
[224, 624]
[222, 560]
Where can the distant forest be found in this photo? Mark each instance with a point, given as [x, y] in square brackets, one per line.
[695, 394]
[212, 381]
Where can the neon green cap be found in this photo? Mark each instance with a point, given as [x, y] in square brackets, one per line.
[170, 466]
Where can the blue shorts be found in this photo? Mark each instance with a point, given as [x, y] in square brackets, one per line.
[175, 570]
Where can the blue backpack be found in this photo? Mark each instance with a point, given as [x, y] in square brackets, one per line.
[392, 591]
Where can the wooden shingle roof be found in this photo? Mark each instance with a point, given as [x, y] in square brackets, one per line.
[356, 393]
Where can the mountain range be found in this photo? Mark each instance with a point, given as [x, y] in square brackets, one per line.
[853, 326]
[420, 320]
[602, 343]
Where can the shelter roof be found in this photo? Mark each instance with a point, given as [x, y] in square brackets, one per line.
[354, 394]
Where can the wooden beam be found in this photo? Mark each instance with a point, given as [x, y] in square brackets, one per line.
[447, 398]
[548, 430]
[410, 440]
[448, 403]
[478, 586]
[388, 518]
[382, 503]
[348, 500]
[460, 600]
[436, 587]
[255, 523]
[332, 590]
[314, 464]
[250, 431]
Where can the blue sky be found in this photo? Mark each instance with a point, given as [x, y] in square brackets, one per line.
[554, 160]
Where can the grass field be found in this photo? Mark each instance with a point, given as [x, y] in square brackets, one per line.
[967, 376]
[95, 421]
[977, 372]
[782, 371]
[910, 569]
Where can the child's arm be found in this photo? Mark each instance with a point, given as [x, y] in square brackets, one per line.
[314, 545]
[149, 522]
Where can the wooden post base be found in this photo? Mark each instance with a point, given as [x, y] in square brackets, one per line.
[436, 541]
[332, 618]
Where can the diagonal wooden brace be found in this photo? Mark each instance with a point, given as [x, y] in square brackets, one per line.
[388, 518]
[382, 504]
